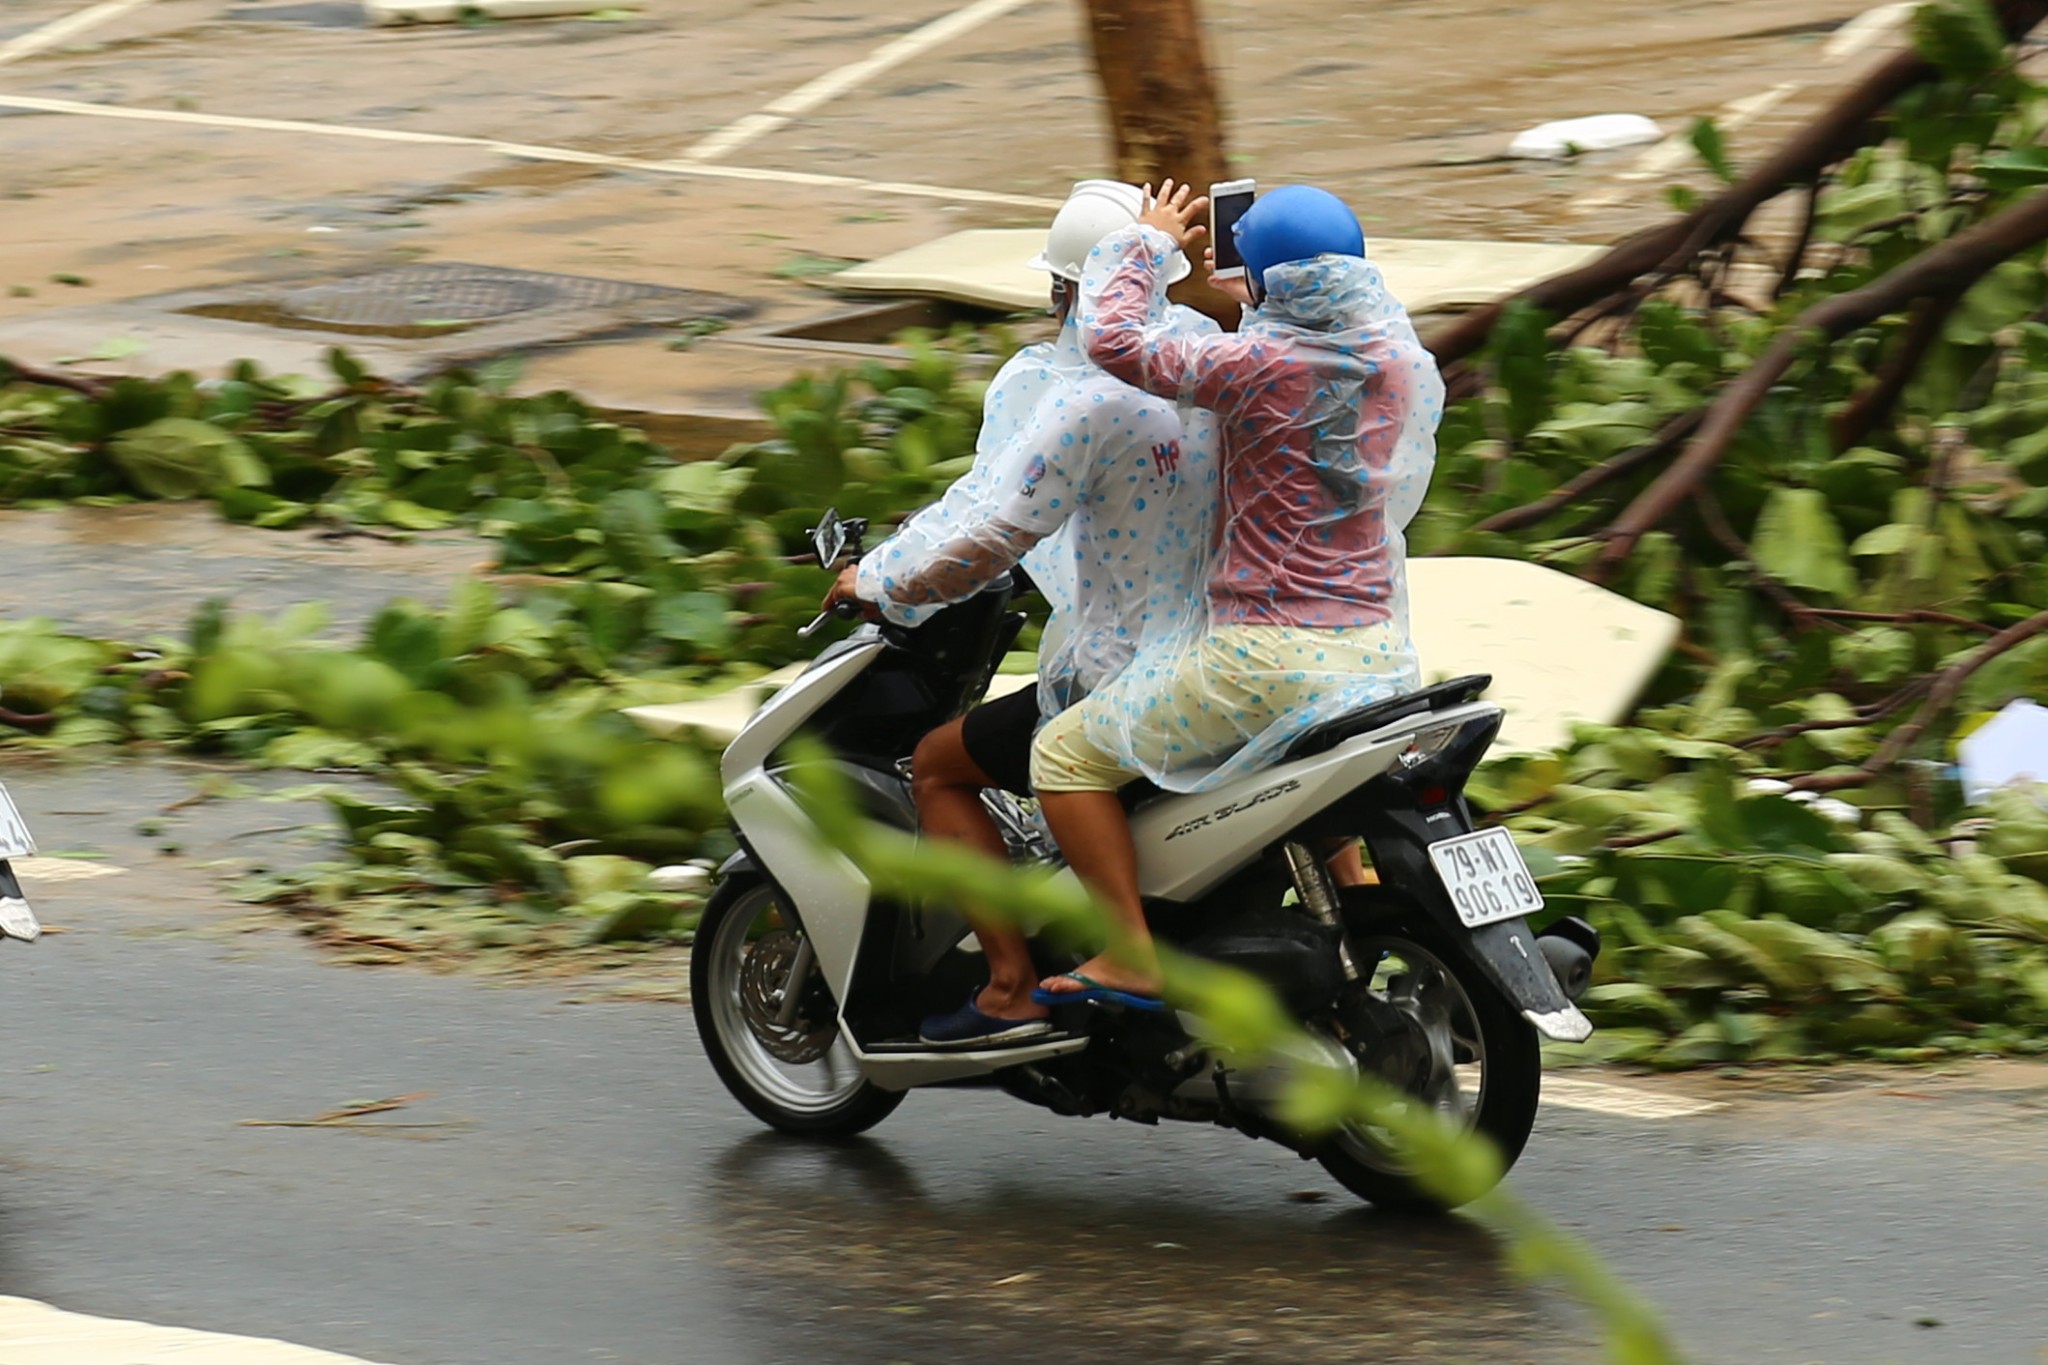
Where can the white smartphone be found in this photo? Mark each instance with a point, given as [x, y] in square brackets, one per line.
[1227, 202]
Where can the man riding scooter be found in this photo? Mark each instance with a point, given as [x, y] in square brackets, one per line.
[1107, 496]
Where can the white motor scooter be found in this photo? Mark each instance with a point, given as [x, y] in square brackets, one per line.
[808, 986]
[17, 920]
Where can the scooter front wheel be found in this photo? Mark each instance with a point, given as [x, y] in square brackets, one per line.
[786, 1063]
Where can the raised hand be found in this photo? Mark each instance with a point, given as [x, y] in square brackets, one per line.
[1173, 212]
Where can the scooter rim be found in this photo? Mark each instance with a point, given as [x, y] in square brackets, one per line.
[767, 1075]
[1370, 1151]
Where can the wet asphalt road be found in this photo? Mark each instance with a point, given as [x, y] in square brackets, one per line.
[584, 1191]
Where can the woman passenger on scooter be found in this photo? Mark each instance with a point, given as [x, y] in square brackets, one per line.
[1328, 406]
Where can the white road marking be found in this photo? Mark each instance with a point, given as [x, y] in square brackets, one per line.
[51, 34]
[33, 1333]
[1866, 30]
[1852, 39]
[527, 151]
[833, 84]
[1602, 1098]
[40, 869]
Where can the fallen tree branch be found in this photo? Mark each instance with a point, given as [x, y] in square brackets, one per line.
[1795, 259]
[1875, 402]
[14, 372]
[1663, 443]
[1838, 131]
[1865, 715]
[1639, 840]
[1906, 618]
[36, 723]
[1950, 267]
[1716, 522]
[1940, 696]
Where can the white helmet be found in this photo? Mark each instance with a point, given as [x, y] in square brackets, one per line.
[1094, 209]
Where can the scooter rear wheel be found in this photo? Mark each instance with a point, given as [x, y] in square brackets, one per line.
[798, 1077]
[1483, 1072]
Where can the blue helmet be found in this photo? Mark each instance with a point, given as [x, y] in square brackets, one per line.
[1295, 223]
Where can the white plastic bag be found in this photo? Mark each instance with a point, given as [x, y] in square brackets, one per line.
[1568, 137]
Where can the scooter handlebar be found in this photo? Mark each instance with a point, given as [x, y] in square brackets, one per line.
[843, 609]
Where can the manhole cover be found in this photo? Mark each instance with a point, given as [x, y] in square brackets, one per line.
[489, 307]
[427, 295]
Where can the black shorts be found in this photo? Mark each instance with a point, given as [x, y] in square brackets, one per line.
[997, 736]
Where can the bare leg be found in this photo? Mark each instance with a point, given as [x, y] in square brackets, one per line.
[1347, 863]
[947, 786]
[1095, 835]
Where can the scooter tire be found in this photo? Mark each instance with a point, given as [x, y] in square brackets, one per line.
[1508, 1100]
[863, 1105]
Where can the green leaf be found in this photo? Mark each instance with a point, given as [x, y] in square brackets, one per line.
[346, 368]
[1797, 542]
[810, 267]
[2017, 169]
[1671, 336]
[470, 608]
[2018, 836]
[700, 619]
[1962, 37]
[1594, 432]
[182, 457]
[41, 668]
[319, 749]
[1846, 212]
[703, 487]
[1621, 1001]
[1720, 815]
[410, 516]
[2008, 292]
[114, 348]
[1706, 140]
[1892, 538]
[1520, 347]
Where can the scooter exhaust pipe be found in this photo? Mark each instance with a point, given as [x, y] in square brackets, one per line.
[1569, 946]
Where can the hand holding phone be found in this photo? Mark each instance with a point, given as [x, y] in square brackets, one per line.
[1227, 203]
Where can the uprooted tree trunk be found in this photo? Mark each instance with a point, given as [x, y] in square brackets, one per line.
[1672, 247]
[1165, 118]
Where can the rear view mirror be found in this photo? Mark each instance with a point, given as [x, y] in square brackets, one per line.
[828, 538]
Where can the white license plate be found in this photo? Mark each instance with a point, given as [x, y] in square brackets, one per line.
[1486, 877]
[14, 837]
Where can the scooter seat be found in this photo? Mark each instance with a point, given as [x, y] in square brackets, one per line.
[1327, 736]
[1365, 720]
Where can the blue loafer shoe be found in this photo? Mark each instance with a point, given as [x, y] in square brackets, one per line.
[968, 1027]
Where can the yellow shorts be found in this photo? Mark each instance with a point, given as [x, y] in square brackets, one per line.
[1204, 705]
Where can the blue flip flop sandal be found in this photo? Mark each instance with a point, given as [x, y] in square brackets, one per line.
[1093, 992]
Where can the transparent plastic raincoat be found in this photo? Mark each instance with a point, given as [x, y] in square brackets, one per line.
[1328, 407]
[1106, 495]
